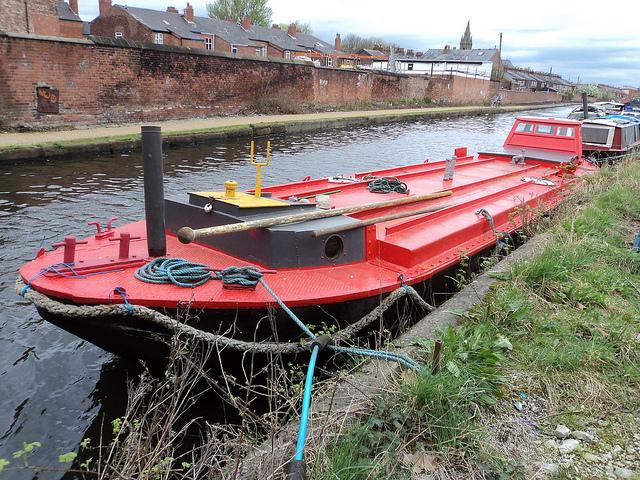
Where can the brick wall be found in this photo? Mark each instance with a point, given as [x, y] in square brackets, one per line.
[103, 80]
[109, 81]
[518, 97]
[120, 21]
[35, 16]
[455, 89]
[71, 29]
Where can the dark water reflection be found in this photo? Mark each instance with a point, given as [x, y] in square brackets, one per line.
[54, 387]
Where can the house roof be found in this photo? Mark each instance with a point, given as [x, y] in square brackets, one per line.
[512, 74]
[438, 55]
[165, 22]
[231, 32]
[65, 12]
[373, 53]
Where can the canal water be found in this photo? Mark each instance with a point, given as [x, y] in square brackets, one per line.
[56, 388]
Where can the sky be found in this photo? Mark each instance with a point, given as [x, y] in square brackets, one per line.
[579, 40]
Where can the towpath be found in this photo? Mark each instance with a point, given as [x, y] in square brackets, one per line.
[113, 138]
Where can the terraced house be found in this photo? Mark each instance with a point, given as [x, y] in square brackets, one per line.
[184, 29]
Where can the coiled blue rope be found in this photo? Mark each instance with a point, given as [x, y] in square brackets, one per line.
[177, 271]
[184, 273]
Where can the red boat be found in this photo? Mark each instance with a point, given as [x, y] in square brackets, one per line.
[356, 245]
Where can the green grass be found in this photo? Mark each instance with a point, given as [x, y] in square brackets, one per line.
[564, 323]
[432, 412]
[134, 137]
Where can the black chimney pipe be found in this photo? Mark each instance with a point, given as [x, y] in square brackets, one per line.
[153, 191]
[585, 106]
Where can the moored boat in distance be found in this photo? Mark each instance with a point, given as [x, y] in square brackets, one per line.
[611, 136]
[330, 249]
[593, 111]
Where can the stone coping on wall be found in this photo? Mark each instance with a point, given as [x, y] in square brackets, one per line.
[128, 43]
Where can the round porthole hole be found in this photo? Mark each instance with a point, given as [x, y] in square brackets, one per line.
[333, 247]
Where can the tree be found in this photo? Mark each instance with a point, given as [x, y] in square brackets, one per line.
[257, 10]
[355, 43]
[590, 90]
[300, 26]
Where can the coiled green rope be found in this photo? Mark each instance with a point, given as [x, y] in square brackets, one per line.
[387, 185]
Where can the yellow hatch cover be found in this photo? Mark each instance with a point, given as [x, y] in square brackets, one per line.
[243, 200]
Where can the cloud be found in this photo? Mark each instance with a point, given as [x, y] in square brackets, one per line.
[570, 36]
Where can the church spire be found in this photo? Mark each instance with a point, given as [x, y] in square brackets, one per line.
[466, 43]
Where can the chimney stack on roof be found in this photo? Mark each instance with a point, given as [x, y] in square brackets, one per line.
[447, 49]
[292, 30]
[188, 13]
[338, 42]
[246, 23]
[172, 10]
[104, 7]
[73, 4]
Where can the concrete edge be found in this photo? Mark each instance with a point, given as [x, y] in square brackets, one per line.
[339, 402]
[177, 139]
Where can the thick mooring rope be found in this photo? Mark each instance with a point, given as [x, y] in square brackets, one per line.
[57, 308]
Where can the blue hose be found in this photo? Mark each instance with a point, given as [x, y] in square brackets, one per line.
[306, 402]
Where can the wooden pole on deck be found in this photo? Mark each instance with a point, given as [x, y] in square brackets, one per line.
[188, 235]
[371, 221]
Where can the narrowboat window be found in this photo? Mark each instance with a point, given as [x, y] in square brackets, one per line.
[565, 132]
[546, 129]
[524, 127]
[597, 135]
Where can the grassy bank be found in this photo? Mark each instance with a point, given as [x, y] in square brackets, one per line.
[557, 341]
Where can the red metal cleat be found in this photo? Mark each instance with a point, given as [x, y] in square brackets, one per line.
[125, 240]
[106, 233]
[69, 245]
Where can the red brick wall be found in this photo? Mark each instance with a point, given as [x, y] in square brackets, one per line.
[333, 86]
[103, 83]
[118, 20]
[70, 29]
[103, 80]
[454, 89]
[38, 16]
[518, 97]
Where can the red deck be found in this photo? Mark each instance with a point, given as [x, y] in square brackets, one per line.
[417, 247]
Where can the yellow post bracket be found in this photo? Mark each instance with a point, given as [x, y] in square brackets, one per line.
[259, 165]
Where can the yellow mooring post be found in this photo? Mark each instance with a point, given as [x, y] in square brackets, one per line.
[259, 165]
